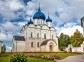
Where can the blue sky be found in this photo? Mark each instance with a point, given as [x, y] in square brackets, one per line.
[14, 14]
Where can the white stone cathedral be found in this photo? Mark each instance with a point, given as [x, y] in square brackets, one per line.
[38, 35]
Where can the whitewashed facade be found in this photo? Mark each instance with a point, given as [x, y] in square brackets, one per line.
[39, 34]
[80, 49]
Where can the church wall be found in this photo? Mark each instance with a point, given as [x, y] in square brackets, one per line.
[19, 46]
[55, 37]
[55, 49]
[35, 21]
[33, 38]
[34, 48]
[53, 34]
[75, 49]
[49, 24]
[47, 32]
[43, 48]
[37, 31]
[29, 32]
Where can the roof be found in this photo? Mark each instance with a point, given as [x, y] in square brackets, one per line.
[39, 15]
[19, 38]
[48, 19]
[46, 41]
[30, 22]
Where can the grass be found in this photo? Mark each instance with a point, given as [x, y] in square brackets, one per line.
[6, 57]
[30, 59]
[39, 60]
[62, 55]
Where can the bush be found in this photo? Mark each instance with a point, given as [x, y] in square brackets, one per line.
[46, 57]
[19, 58]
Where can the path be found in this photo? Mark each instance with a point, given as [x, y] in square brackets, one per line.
[78, 58]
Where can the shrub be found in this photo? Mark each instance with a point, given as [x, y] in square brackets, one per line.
[19, 58]
[46, 57]
[55, 57]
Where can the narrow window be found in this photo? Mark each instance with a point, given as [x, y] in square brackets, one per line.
[45, 36]
[32, 44]
[52, 36]
[38, 44]
[37, 35]
[31, 34]
[26, 35]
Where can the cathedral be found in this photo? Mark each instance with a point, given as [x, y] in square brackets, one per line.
[38, 35]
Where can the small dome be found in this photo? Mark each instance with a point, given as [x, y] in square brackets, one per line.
[48, 19]
[39, 15]
[30, 22]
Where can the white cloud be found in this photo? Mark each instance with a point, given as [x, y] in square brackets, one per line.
[69, 29]
[6, 37]
[8, 48]
[21, 23]
[9, 26]
[15, 5]
[2, 36]
[5, 10]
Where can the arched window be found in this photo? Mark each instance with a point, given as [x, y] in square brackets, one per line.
[38, 44]
[31, 34]
[52, 36]
[37, 35]
[26, 35]
[32, 43]
[45, 36]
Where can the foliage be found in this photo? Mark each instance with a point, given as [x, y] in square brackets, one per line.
[3, 49]
[77, 39]
[62, 55]
[49, 57]
[64, 41]
[19, 58]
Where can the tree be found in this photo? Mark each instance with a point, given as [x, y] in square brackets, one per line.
[64, 41]
[76, 39]
[3, 49]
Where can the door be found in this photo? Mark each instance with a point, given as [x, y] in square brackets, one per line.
[70, 49]
[51, 48]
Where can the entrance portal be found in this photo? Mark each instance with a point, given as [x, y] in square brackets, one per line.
[70, 49]
[51, 48]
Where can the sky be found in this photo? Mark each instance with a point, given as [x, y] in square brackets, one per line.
[66, 15]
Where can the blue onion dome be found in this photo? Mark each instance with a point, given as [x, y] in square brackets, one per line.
[48, 19]
[30, 22]
[39, 15]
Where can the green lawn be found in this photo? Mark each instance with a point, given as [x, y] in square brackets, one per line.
[39, 60]
[6, 57]
[62, 55]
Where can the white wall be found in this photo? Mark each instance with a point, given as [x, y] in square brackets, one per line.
[49, 24]
[18, 46]
[41, 29]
